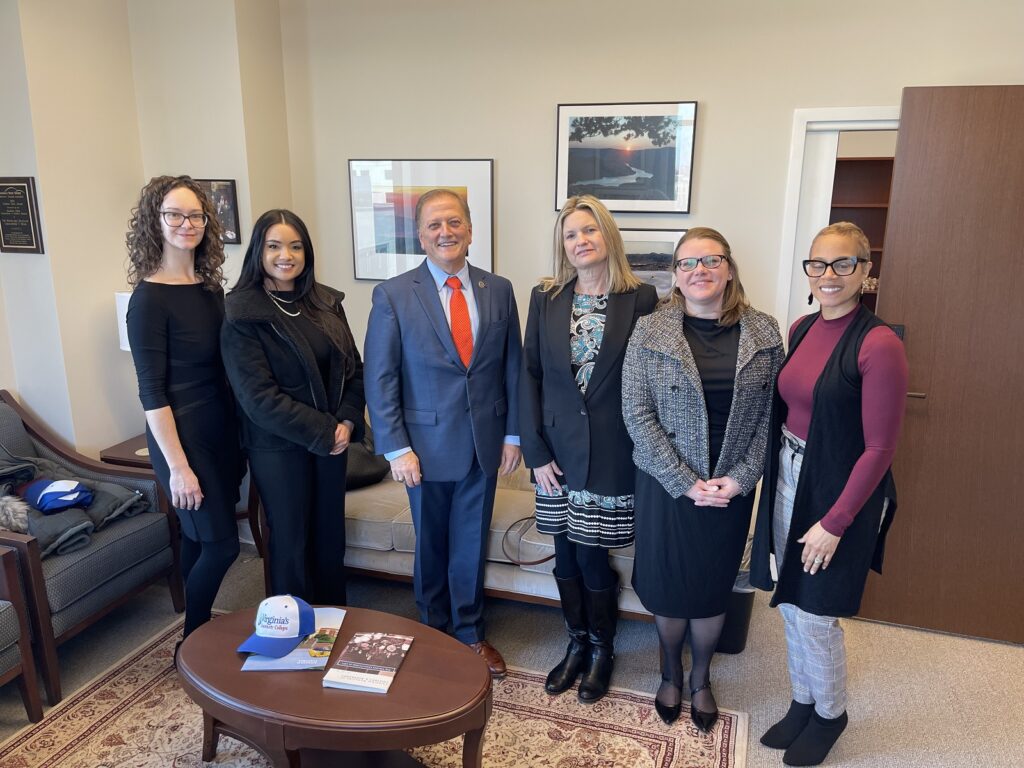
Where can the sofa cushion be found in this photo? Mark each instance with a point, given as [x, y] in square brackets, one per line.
[536, 545]
[370, 511]
[115, 548]
[509, 506]
[10, 631]
[13, 436]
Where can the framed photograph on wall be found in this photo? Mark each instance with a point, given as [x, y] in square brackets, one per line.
[383, 196]
[650, 253]
[224, 196]
[633, 157]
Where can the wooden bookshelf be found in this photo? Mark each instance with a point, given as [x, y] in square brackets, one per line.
[860, 194]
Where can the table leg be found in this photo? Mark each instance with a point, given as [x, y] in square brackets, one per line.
[473, 749]
[210, 738]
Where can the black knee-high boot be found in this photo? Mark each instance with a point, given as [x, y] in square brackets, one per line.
[577, 654]
[602, 608]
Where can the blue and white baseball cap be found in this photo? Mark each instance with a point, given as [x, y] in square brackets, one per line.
[282, 622]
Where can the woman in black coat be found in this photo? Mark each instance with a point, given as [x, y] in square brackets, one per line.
[298, 378]
[572, 431]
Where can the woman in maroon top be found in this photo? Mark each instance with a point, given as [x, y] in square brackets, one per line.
[836, 420]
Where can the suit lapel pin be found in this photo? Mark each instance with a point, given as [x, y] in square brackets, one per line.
[481, 284]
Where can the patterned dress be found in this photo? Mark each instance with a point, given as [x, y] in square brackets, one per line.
[588, 518]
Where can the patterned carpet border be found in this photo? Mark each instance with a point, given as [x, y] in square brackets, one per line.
[135, 714]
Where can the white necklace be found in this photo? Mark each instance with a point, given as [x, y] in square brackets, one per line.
[278, 302]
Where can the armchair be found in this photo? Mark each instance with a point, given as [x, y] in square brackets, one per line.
[67, 593]
[16, 659]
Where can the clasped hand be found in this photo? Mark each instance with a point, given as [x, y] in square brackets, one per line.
[342, 435]
[715, 492]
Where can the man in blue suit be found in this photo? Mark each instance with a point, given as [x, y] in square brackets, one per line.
[442, 358]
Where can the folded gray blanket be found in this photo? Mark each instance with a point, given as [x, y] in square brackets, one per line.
[62, 532]
[70, 529]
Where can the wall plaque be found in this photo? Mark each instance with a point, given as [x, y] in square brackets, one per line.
[19, 216]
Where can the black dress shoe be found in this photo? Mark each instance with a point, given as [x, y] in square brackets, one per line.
[704, 721]
[669, 713]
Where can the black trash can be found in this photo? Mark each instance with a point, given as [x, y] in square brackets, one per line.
[737, 618]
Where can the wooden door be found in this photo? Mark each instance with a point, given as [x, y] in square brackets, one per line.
[954, 277]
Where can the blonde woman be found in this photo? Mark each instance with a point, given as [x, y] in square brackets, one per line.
[572, 432]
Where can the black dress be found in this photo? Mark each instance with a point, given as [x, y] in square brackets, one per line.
[687, 556]
[174, 331]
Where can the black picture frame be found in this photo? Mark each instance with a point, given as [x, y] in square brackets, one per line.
[20, 230]
[635, 157]
[650, 253]
[223, 193]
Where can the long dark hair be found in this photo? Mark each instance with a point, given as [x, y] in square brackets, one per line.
[145, 239]
[311, 297]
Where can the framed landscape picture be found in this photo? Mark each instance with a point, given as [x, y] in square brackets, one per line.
[650, 253]
[383, 196]
[224, 196]
[633, 157]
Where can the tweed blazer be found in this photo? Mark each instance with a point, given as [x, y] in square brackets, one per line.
[665, 412]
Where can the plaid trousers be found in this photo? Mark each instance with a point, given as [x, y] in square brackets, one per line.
[816, 653]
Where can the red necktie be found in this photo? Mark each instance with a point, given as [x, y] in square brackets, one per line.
[462, 331]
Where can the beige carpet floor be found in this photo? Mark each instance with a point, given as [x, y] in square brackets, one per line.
[917, 699]
[135, 714]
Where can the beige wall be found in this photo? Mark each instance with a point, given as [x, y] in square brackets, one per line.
[289, 90]
[409, 79]
[190, 113]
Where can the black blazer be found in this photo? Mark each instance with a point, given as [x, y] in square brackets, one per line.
[276, 380]
[585, 435]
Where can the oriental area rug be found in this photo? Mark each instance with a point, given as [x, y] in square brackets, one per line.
[135, 714]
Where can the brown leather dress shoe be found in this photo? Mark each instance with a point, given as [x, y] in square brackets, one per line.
[490, 654]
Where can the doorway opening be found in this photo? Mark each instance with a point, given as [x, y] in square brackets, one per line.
[814, 149]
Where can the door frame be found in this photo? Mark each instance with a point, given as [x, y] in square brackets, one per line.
[812, 168]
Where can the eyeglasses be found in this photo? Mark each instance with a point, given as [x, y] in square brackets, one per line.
[711, 261]
[841, 267]
[175, 219]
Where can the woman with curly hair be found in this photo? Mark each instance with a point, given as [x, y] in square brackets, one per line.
[175, 257]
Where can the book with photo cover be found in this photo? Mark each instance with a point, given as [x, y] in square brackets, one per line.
[368, 662]
[311, 654]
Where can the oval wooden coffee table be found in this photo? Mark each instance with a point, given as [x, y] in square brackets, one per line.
[442, 690]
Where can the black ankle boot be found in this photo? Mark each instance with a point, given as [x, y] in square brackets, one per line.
[815, 740]
[602, 608]
[784, 732]
[577, 654]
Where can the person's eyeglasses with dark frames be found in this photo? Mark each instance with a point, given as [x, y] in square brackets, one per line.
[841, 267]
[176, 219]
[711, 261]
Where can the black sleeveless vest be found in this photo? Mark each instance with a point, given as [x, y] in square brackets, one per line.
[835, 441]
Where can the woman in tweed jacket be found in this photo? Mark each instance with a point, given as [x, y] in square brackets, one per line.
[697, 388]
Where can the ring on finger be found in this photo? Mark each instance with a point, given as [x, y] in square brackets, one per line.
[819, 560]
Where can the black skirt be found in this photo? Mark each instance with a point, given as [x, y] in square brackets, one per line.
[687, 557]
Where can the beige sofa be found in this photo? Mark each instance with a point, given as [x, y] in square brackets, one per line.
[380, 541]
